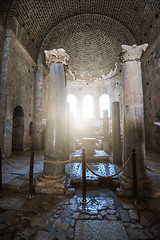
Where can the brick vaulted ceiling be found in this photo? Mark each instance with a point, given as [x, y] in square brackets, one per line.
[89, 30]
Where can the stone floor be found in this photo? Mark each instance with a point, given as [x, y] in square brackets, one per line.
[105, 216]
[17, 179]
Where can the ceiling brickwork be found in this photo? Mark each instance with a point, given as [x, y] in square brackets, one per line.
[92, 41]
[33, 20]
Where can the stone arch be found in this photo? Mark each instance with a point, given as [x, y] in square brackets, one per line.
[18, 129]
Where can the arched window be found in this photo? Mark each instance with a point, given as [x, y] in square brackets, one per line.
[72, 100]
[88, 106]
[104, 104]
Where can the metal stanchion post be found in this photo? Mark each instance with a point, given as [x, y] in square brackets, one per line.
[134, 173]
[31, 188]
[84, 176]
[0, 170]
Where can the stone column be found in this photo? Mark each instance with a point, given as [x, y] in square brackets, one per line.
[106, 141]
[56, 125]
[133, 135]
[67, 133]
[5, 126]
[96, 108]
[79, 120]
[71, 132]
[116, 134]
[38, 107]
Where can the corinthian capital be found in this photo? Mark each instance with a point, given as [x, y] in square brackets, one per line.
[132, 53]
[56, 56]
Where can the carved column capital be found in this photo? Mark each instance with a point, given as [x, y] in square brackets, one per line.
[56, 56]
[132, 53]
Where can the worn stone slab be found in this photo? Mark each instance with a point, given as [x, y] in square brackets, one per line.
[41, 235]
[125, 216]
[127, 204]
[37, 221]
[111, 217]
[57, 225]
[145, 216]
[70, 233]
[103, 213]
[11, 203]
[27, 233]
[75, 215]
[139, 234]
[7, 177]
[134, 214]
[72, 201]
[73, 207]
[65, 225]
[111, 212]
[95, 229]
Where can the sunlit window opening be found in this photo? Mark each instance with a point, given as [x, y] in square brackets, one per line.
[72, 100]
[104, 104]
[88, 106]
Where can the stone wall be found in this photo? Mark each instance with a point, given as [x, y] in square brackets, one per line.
[151, 85]
[2, 39]
[20, 92]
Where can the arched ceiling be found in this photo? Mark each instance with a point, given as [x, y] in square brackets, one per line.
[34, 21]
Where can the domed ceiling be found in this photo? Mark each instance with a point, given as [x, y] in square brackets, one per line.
[93, 43]
[91, 31]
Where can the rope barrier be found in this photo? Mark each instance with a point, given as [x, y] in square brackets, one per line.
[151, 170]
[14, 166]
[111, 175]
[58, 162]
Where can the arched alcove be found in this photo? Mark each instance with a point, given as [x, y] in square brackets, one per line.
[18, 129]
[31, 128]
[104, 104]
[88, 106]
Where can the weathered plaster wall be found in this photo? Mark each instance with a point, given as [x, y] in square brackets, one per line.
[2, 39]
[151, 85]
[20, 91]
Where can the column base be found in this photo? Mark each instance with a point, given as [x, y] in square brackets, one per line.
[50, 184]
[144, 187]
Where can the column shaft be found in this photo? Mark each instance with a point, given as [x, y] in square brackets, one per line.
[116, 134]
[133, 117]
[56, 121]
[106, 140]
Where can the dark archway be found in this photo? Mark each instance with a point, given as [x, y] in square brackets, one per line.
[18, 129]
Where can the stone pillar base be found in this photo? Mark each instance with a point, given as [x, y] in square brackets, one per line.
[50, 184]
[144, 187]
